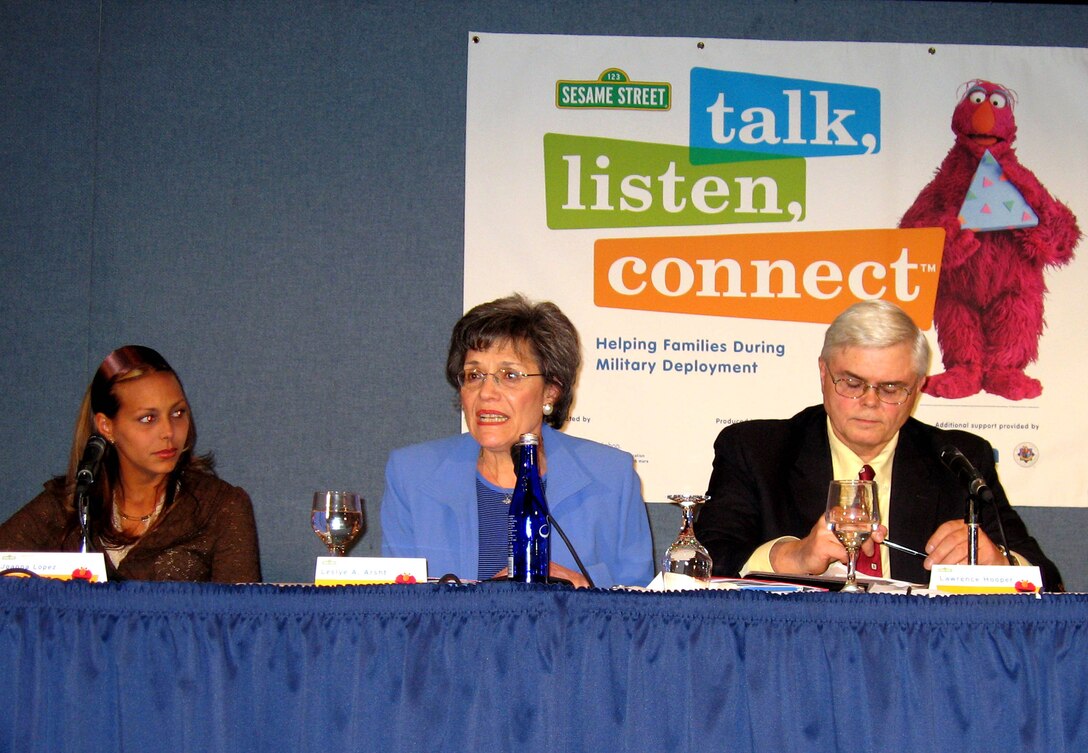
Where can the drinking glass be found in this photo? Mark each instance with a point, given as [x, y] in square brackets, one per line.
[337, 519]
[686, 555]
[852, 514]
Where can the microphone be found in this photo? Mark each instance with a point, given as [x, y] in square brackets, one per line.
[976, 485]
[972, 479]
[88, 466]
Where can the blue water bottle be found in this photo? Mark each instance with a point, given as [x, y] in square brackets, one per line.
[530, 544]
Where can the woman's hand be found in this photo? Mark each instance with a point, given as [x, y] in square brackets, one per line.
[576, 579]
[556, 571]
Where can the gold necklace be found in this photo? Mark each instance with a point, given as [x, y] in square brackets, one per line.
[145, 519]
[140, 518]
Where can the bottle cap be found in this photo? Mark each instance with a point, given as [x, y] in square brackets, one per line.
[529, 439]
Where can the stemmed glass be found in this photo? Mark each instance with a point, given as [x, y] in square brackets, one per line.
[686, 555]
[337, 519]
[852, 514]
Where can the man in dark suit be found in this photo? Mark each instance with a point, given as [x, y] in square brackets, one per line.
[769, 484]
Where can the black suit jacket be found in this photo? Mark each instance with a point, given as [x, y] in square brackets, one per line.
[770, 479]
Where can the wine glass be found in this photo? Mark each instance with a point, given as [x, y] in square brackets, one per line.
[686, 555]
[852, 514]
[337, 519]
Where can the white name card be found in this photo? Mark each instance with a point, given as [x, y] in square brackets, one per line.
[90, 567]
[985, 579]
[344, 571]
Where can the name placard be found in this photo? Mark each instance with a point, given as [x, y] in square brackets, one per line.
[345, 571]
[90, 567]
[985, 579]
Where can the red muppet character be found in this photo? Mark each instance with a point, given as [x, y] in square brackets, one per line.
[1002, 228]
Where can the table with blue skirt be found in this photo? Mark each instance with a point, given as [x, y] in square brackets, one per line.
[505, 667]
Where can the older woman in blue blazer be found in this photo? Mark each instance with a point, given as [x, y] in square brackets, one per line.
[513, 363]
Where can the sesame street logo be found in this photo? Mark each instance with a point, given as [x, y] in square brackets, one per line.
[613, 90]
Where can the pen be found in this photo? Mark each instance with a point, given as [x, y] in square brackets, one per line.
[900, 547]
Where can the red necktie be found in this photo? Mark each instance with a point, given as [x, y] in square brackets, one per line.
[869, 565]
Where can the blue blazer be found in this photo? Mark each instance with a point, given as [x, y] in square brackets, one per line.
[429, 508]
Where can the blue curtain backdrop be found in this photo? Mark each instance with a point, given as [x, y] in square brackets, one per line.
[139, 666]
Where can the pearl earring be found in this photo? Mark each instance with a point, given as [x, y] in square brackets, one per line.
[548, 409]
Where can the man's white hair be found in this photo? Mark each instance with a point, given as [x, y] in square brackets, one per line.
[876, 324]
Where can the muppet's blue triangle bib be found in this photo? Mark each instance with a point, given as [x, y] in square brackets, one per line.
[993, 203]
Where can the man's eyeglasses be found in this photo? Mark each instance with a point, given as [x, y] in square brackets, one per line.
[888, 393]
[509, 379]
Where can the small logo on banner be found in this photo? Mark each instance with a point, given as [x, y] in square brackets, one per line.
[613, 90]
[1026, 454]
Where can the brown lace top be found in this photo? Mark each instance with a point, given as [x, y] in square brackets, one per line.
[207, 534]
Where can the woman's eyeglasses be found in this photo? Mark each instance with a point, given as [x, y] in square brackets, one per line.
[509, 379]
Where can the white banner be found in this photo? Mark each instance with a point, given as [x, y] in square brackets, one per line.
[701, 209]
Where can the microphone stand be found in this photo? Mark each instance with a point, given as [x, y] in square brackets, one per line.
[972, 530]
[82, 505]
